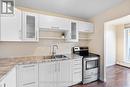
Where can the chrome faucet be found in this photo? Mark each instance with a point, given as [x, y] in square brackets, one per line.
[53, 49]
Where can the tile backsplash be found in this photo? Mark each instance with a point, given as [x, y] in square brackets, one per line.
[43, 47]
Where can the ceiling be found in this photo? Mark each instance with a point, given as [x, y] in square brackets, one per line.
[122, 20]
[77, 8]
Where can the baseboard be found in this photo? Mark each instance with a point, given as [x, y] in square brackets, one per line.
[124, 64]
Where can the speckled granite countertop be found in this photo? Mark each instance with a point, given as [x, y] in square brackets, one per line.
[6, 64]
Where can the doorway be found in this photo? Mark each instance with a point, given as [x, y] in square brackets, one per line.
[117, 42]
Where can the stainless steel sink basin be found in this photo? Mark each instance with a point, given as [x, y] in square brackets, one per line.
[59, 57]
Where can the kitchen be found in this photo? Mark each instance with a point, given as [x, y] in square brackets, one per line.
[41, 43]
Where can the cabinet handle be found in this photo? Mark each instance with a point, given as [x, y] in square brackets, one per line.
[29, 83]
[55, 67]
[55, 27]
[20, 34]
[28, 66]
[59, 67]
[36, 34]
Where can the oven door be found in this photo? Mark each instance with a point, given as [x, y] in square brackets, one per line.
[90, 64]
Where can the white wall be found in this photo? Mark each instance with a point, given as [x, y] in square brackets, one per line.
[97, 44]
[120, 43]
[110, 44]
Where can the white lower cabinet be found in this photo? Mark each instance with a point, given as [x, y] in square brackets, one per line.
[77, 71]
[55, 74]
[10, 79]
[65, 73]
[47, 74]
[27, 75]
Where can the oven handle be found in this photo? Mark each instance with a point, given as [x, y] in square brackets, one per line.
[93, 59]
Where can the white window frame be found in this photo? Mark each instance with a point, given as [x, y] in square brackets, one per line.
[127, 51]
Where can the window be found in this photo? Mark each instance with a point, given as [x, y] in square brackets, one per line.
[7, 7]
[127, 44]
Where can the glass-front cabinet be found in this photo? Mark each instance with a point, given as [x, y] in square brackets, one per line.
[30, 26]
[72, 34]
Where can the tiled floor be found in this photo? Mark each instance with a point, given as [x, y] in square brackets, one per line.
[117, 76]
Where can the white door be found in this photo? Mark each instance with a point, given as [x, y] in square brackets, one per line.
[11, 27]
[30, 26]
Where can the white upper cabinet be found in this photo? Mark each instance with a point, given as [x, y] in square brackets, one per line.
[10, 29]
[72, 34]
[53, 23]
[30, 26]
[85, 27]
[24, 26]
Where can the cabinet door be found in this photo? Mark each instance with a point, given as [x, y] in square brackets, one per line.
[11, 27]
[53, 23]
[72, 34]
[47, 74]
[10, 79]
[85, 27]
[77, 70]
[45, 21]
[65, 74]
[27, 75]
[61, 24]
[30, 26]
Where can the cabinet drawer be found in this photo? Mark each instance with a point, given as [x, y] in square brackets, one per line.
[77, 71]
[77, 61]
[27, 75]
[77, 77]
[75, 66]
[27, 66]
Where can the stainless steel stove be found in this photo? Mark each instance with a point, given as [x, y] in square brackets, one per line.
[90, 64]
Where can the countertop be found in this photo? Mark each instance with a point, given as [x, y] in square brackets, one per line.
[6, 64]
